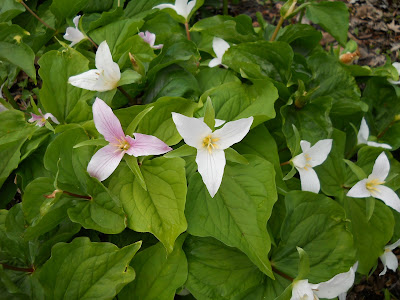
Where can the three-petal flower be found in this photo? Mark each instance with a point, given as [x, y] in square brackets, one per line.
[150, 38]
[210, 145]
[104, 78]
[373, 185]
[182, 7]
[74, 34]
[311, 157]
[41, 119]
[303, 290]
[219, 47]
[107, 159]
[363, 135]
[389, 260]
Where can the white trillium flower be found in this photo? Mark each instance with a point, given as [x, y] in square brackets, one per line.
[397, 66]
[104, 78]
[339, 284]
[389, 260]
[73, 34]
[363, 135]
[210, 145]
[219, 47]
[182, 7]
[311, 157]
[373, 185]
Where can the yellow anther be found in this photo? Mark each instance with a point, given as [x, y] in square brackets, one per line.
[308, 158]
[122, 144]
[371, 185]
[210, 143]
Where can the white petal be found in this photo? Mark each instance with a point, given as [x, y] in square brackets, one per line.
[379, 145]
[53, 118]
[305, 146]
[393, 246]
[104, 62]
[299, 161]
[340, 283]
[363, 133]
[389, 261]
[189, 7]
[388, 196]
[214, 62]
[76, 21]
[104, 162]
[381, 168]
[309, 180]
[319, 152]
[87, 80]
[219, 47]
[302, 290]
[192, 130]
[162, 6]
[73, 35]
[359, 190]
[342, 296]
[211, 168]
[232, 132]
[218, 122]
[397, 66]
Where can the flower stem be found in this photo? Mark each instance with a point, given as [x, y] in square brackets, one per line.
[28, 270]
[277, 29]
[285, 163]
[282, 274]
[187, 30]
[77, 196]
[35, 15]
[90, 40]
[386, 129]
[131, 100]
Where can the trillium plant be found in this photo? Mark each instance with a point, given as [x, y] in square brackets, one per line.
[151, 152]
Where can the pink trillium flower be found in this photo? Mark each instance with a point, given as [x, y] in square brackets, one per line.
[41, 119]
[150, 38]
[73, 34]
[107, 159]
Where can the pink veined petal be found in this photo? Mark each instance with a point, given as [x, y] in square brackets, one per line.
[158, 46]
[302, 290]
[151, 38]
[379, 145]
[220, 46]
[87, 80]
[106, 122]
[381, 168]
[104, 162]
[305, 146]
[211, 167]
[34, 118]
[359, 190]
[192, 130]
[232, 132]
[309, 180]
[214, 62]
[53, 118]
[337, 285]
[388, 196]
[393, 246]
[144, 144]
[363, 133]
[319, 152]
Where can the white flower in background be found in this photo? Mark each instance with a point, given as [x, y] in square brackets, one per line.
[397, 66]
[150, 38]
[182, 7]
[104, 78]
[311, 157]
[41, 119]
[389, 260]
[339, 284]
[2, 107]
[219, 47]
[73, 34]
[210, 145]
[363, 135]
[373, 185]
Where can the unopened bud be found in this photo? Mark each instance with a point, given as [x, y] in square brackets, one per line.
[348, 58]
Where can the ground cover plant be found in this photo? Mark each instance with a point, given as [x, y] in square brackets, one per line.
[159, 155]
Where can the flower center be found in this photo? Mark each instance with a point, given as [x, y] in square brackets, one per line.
[308, 158]
[372, 184]
[123, 145]
[210, 143]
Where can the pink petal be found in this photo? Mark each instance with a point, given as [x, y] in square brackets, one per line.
[144, 144]
[106, 122]
[34, 118]
[104, 162]
[158, 46]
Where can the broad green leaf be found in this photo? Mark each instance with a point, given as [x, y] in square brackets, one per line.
[66, 9]
[95, 142]
[244, 201]
[261, 59]
[55, 69]
[135, 122]
[209, 114]
[356, 169]
[301, 37]
[333, 17]
[304, 264]
[94, 21]
[132, 163]
[11, 33]
[159, 274]
[370, 236]
[209, 78]
[233, 156]
[233, 101]
[129, 76]
[164, 25]
[10, 9]
[182, 151]
[86, 270]
[317, 224]
[140, 6]
[160, 209]
[20, 55]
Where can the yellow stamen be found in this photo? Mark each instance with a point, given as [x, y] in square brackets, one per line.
[122, 144]
[372, 184]
[210, 143]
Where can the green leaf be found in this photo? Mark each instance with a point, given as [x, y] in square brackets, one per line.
[182, 151]
[55, 69]
[233, 156]
[10, 9]
[135, 122]
[104, 268]
[244, 201]
[63, 9]
[160, 209]
[140, 6]
[94, 142]
[317, 224]
[20, 55]
[333, 17]
[94, 21]
[158, 275]
[209, 78]
[301, 37]
[304, 264]
[209, 114]
[356, 169]
[129, 76]
[132, 163]
[370, 207]
[291, 173]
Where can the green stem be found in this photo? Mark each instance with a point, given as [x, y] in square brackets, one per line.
[277, 29]
[36, 16]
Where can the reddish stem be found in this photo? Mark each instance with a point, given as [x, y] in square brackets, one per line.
[187, 30]
[282, 274]
[285, 163]
[77, 196]
[28, 270]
